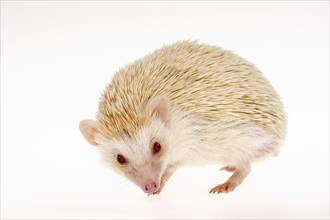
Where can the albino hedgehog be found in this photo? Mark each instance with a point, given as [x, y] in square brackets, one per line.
[186, 104]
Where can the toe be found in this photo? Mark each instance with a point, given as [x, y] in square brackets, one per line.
[223, 188]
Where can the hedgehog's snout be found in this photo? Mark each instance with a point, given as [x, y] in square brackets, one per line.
[150, 186]
[147, 178]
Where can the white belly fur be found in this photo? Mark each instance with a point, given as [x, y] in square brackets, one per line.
[194, 141]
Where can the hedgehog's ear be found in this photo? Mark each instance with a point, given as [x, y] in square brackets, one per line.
[159, 106]
[88, 129]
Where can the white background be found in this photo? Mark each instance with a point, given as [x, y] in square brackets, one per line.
[56, 58]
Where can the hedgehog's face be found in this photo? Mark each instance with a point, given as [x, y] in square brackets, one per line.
[141, 157]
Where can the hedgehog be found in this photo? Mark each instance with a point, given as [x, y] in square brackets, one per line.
[186, 104]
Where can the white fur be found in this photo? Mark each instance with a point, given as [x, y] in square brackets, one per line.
[193, 141]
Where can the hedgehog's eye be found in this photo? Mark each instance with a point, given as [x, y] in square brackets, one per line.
[121, 159]
[156, 148]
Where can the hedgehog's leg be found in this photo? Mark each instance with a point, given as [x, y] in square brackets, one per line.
[228, 168]
[236, 179]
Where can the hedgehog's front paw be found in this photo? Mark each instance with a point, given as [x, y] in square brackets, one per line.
[155, 193]
[162, 184]
[223, 188]
[158, 191]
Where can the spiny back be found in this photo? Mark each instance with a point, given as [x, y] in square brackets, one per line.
[206, 81]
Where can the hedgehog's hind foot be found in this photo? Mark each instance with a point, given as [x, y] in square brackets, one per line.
[236, 179]
[228, 168]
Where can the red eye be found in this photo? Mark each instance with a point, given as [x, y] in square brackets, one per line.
[121, 159]
[156, 148]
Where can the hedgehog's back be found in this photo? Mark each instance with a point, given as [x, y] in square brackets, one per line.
[207, 81]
